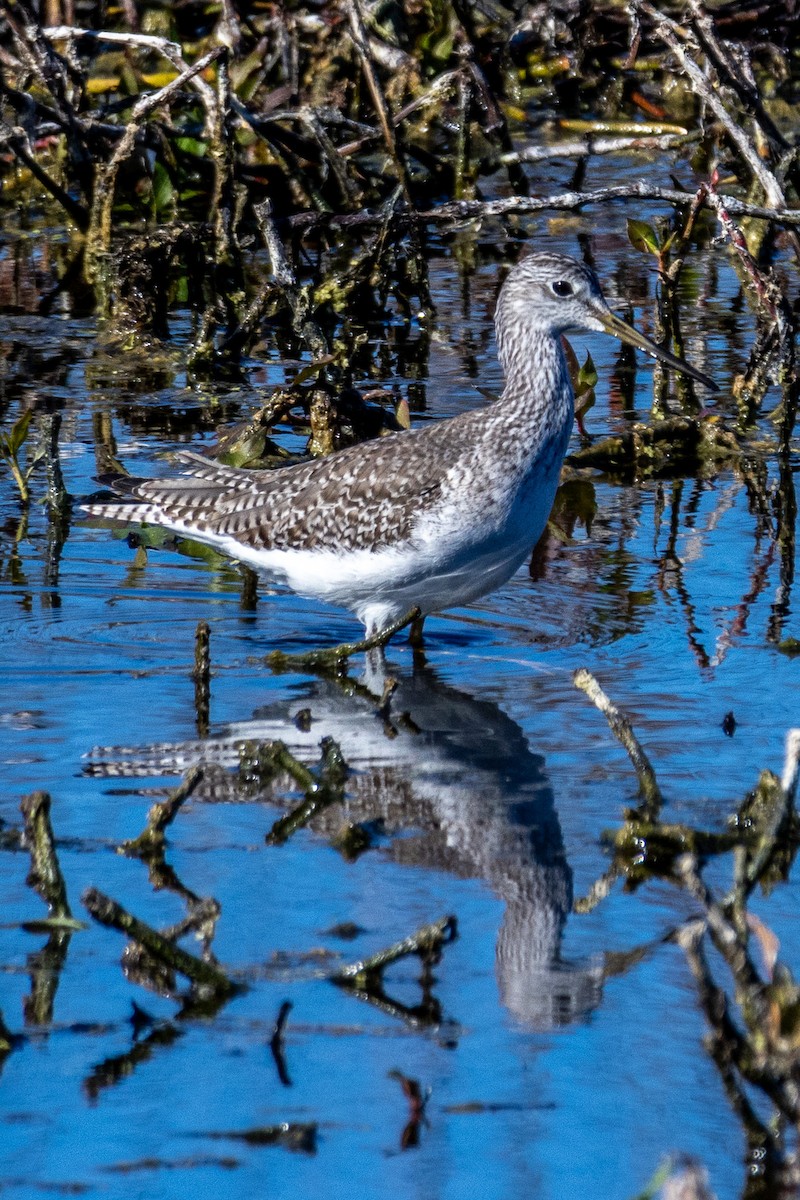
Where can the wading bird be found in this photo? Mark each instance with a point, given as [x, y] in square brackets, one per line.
[430, 518]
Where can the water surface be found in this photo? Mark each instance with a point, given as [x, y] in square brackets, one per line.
[551, 1072]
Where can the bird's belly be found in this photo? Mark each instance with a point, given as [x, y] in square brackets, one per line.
[381, 585]
[452, 558]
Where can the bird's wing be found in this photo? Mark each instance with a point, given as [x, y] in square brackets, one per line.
[363, 497]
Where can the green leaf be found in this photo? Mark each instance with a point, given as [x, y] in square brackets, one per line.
[19, 431]
[587, 376]
[190, 145]
[163, 191]
[643, 237]
[312, 369]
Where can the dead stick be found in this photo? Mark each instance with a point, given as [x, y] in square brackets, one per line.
[148, 41]
[17, 141]
[100, 224]
[45, 873]
[361, 43]
[623, 731]
[335, 658]
[161, 815]
[426, 940]
[478, 210]
[107, 912]
[667, 30]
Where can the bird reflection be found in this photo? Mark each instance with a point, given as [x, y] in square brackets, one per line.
[453, 775]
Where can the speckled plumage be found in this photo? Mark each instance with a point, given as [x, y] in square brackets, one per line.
[433, 517]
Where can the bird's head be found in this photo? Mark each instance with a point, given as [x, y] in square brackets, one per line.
[549, 294]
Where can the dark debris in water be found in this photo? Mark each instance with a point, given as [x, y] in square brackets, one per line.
[297, 1136]
[189, 1162]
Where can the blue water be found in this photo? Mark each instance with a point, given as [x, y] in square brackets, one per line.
[551, 1072]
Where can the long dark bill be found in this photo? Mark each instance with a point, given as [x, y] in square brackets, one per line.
[626, 333]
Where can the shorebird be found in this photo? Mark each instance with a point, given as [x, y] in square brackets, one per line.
[430, 518]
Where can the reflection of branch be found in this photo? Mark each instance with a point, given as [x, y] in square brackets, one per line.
[764, 1051]
[276, 1043]
[475, 209]
[671, 562]
[600, 889]
[738, 625]
[8, 1040]
[291, 1135]
[764, 1054]
[320, 793]
[726, 1044]
[202, 678]
[45, 968]
[360, 41]
[786, 517]
[121, 1066]
[417, 1100]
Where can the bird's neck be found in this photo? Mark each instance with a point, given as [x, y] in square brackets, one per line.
[538, 389]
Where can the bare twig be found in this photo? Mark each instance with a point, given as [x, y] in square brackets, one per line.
[769, 295]
[668, 31]
[321, 791]
[150, 841]
[148, 41]
[361, 43]
[728, 68]
[45, 873]
[276, 1043]
[591, 145]
[622, 729]
[426, 941]
[204, 974]
[99, 236]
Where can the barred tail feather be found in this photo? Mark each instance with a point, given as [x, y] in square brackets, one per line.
[127, 514]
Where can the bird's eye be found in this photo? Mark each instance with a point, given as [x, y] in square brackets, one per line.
[562, 287]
